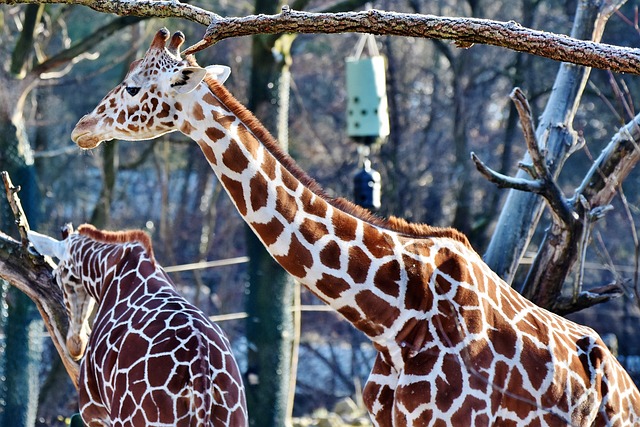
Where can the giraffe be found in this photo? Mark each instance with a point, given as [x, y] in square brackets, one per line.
[455, 344]
[152, 358]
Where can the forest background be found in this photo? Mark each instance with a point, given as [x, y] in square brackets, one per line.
[445, 102]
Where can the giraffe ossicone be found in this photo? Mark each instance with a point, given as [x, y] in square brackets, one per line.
[152, 358]
[456, 344]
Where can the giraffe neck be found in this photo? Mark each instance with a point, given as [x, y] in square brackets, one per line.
[103, 262]
[337, 250]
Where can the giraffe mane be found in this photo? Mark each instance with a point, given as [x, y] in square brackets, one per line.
[262, 134]
[119, 237]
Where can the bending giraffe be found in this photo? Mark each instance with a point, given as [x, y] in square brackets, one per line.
[152, 358]
[456, 344]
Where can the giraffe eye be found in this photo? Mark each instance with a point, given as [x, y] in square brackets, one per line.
[132, 90]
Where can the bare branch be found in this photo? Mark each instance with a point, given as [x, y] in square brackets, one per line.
[32, 275]
[543, 182]
[564, 306]
[526, 121]
[504, 181]
[464, 31]
[16, 207]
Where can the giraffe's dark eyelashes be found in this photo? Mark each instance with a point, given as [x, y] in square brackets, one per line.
[132, 90]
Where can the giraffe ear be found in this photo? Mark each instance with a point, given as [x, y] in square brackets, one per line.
[219, 72]
[46, 245]
[186, 79]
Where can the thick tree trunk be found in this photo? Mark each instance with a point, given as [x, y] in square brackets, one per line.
[270, 322]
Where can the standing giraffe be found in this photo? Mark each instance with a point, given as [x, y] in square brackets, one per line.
[152, 358]
[456, 344]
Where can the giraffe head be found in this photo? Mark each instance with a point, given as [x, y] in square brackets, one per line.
[78, 302]
[147, 103]
[86, 260]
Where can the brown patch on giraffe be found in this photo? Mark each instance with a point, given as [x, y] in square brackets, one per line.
[442, 285]
[208, 152]
[122, 117]
[521, 402]
[187, 128]
[377, 242]
[330, 255]
[449, 384]
[414, 335]
[313, 204]
[236, 191]
[472, 318]
[376, 309]
[503, 337]
[226, 120]
[210, 99]
[214, 134]
[376, 393]
[406, 395]
[259, 192]
[452, 264]
[270, 231]
[133, 128]
[417, 295]
[331, 286]
[178, 106]
[387, 277]
[119, 237]
[288, 179]
[358, 264]
[197, 112]
[234, 158]
[312, 231]
[101, 108]
[269, 167]
[344, 226]
[298, 260]
[248, 140]
[363, 324]
[466, 415]
[286, 205]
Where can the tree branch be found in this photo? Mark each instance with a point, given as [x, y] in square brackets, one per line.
[464, 31]
[543, 182]
[32, 275]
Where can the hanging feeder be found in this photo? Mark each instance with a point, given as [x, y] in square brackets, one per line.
[367, 110]
[367, 116]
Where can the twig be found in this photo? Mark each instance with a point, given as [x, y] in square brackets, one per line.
[504, 181]
[526, 121]
[16, 208]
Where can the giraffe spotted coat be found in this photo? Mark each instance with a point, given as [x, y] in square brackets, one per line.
[152, 358]
[456, 344]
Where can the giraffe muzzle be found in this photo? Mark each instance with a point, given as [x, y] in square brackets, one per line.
[76, 345]
[84, 133]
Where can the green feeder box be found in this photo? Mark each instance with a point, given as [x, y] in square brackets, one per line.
[367, 111]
